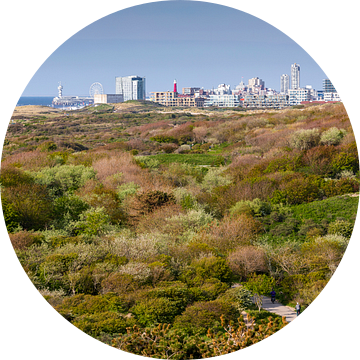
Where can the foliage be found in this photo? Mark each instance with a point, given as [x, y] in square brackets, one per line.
[341, 227]
[28, 206]
[164, 139]
[239, 296]
[106, 322]
[92, 222]
[12, 176]
[62, 179]
[155, 311]
[201, 316]
[305, 139]
[254, 207]
[333, 136]
[260, 284]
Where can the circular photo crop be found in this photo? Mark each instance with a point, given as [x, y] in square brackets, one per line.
[180, 180]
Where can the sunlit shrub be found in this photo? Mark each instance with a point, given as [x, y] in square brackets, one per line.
[305, 139]
[333, 136]
[62, 179]
[202, 316]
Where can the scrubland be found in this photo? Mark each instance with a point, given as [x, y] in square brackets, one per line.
[134, 221]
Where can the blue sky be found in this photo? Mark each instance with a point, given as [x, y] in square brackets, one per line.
[199, 44]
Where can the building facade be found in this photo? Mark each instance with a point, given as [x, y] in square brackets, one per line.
[131, 87]
[224, 100]
[108, 98]
[256, 83]
[295, 76]
[172, 98]
[275, 101]
[284, 83]
[296, 96]
[328, 87]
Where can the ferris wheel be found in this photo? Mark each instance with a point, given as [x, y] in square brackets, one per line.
[96, 88]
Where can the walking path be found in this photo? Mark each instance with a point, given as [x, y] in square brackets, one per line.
[279, 309]
[276, 308]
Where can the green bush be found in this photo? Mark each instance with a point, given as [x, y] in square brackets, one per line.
[92, 222]
[150, 312]
[254, 207]
[105, 322]
[208, 268]
[341, 227]
[63, 179]
[68, 208]
[12, 176]
[333, 136]
[305, 139]
[164, 139]
[260, 284]
[28, 206]
[92, 304]
[240, 297]
[201, 316]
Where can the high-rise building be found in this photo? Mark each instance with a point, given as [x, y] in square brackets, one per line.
[295, 76]
[284, 83]
[256, 83]
[328, 87]
[131, 87]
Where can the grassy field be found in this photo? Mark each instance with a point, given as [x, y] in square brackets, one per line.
[192, 159]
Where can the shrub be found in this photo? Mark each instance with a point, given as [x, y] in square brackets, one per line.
[105, 322]
[201, 316]
[27, 205]
[344, 161]
[118, 283]
[333, 136]
[150, 312]
[68, 208]
[254, 207]
[12, 176]
[147, 201]
[47, 146]
[340, 187]
[230, 232]
[305, 139]
[92, 222]
[239, 296]
[169, 148]
[212, 268]
[23, 239]
[164, 139]
[66, 178]
[341, 227]
[246, 260]
[92, 304]
[260, 284]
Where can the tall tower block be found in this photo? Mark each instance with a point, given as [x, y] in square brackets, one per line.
[175, 86]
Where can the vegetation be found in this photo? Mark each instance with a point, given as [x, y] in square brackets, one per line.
[135, 221]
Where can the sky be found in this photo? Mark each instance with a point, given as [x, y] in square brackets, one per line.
[199, 44]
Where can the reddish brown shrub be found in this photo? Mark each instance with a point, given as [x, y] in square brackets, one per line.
[23, 239]
[246, 260]
[230, 232]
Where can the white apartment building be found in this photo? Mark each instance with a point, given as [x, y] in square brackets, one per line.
[331, 96]
[222, 89]
[225, 100]
[131, 87]
[295, 76]
[284, 83]
[296, 96]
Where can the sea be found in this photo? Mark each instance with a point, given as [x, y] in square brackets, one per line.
[35, 100]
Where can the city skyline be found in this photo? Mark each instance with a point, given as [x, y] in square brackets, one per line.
[215, 44]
